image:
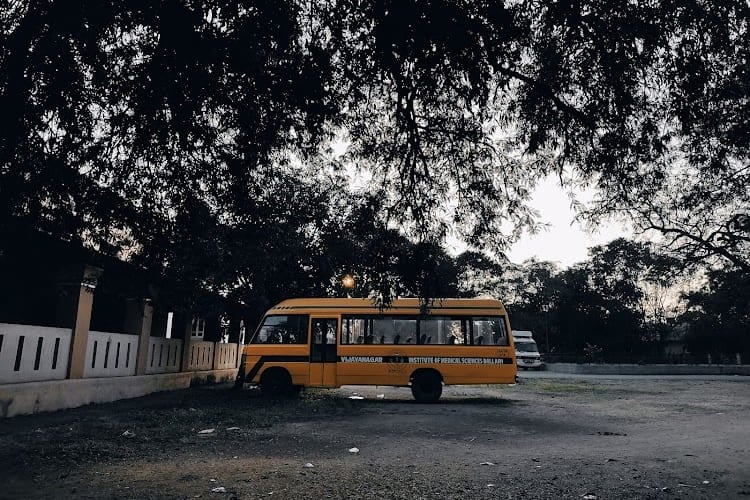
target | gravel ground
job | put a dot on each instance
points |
(543, 438)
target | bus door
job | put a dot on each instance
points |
(323, 356)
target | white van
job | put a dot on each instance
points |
(527, 354)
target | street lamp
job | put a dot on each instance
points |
(348, 281)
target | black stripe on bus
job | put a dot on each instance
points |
(322, 361)
(274, 359)
(419, 360)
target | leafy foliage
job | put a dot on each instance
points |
(719, 316)
(618, 300)
(193, 136)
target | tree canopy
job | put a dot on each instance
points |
(182, 130)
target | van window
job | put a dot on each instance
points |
(525, 346)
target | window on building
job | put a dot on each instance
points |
(198, 327)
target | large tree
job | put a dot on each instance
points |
(118, 116)
(618, 299)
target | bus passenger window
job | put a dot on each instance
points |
(354, 330)
(442, 330)
(390, 329)
(492, 327)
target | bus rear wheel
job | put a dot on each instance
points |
(276, 383)
(426, 387)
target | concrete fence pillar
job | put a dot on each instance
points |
(140, 313)
(217, 354)
(235, 324)
(76, 303)
(181, 329)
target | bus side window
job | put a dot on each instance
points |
(442, 330)
(499, 333)
(489, 327)
(353, 330)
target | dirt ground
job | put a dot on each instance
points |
(543, 438)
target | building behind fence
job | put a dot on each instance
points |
(69, 313)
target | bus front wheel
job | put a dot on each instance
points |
(426, 387)
(276, 383)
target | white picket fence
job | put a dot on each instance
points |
(34, 353)
(163, 355)
(110, 354)
(31, 353)
(201, 356)
(226, 356)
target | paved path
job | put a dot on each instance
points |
(583, 376)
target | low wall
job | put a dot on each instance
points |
(163, 355)
(29, 353)
(634, 369)
(34, 354)
(201, 355)
(110, 354)
(34, 397)
(225, 356)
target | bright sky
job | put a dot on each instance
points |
(565, 242)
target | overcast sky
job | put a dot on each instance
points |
(564, 242)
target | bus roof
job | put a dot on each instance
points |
(404, 306)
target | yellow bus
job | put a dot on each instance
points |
(334, 342)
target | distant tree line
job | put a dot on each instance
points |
(630, 302)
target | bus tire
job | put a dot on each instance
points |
(426, 386)
(276, 383)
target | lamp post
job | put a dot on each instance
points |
(348, 283)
